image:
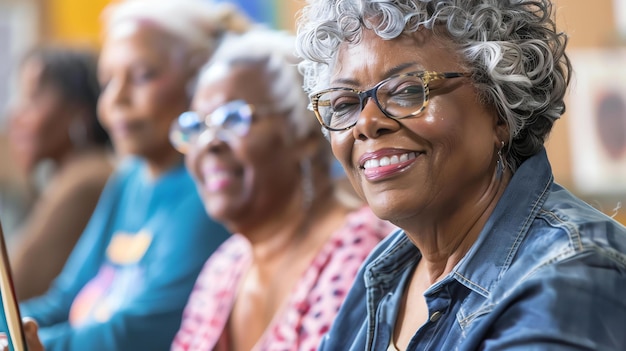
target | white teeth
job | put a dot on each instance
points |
(386, 161)
(216, 176)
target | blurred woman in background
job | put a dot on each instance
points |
(262, 167)
(126, 283)
(54, 119)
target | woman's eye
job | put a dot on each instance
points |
(344, 104)
(143, 75)
(408, 88)
(405, 95)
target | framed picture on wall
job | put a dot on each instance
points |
(597, 112)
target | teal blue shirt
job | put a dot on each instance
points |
(126, 283)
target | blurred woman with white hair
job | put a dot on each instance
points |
(262, 168)
(126, 282)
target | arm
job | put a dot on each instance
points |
(52, 307)
(576, 304)
(55, 225)
(82, 264)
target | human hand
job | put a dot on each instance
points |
(30, 333)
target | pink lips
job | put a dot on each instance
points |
(386, 163)
(216, 178)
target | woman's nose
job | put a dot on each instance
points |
(372, 121)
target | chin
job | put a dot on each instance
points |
(383, 212)
(218, 213)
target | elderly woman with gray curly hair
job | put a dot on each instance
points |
(438, 111)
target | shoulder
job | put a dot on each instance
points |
(85, 173)
(569, 243)
(567, 227)
(230, 257)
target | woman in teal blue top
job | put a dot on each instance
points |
(126, 283)
(129, 276)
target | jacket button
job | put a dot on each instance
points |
(435, 316)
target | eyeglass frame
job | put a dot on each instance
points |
(425, 76)
(205, 120)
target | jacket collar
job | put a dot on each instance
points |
(507, 226)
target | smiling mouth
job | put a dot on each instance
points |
(388, 160)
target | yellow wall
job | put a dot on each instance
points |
(75, 21)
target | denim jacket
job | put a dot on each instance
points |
(548, 272)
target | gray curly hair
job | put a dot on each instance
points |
(515, 54)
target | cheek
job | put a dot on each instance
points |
(103, 109)
(342, 147)
(166, 93)
(270, 162)
(163, 104)
(50, 121)
(191, 161)
(449, 124)
(461, 137)
(161, 94)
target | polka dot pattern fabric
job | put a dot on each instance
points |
(311, 307)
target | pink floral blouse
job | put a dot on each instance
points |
(310, 308)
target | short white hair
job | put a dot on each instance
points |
(198, 24)
(276, 51)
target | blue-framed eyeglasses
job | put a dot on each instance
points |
(399, 96)
(232, 119)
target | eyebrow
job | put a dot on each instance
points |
(390, 72)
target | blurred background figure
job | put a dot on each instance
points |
(126, 282)
(54, 122)
(262, 167)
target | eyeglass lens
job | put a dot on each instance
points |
(397, 97)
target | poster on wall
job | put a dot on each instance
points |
(597, 113)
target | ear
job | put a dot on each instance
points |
(501, 130)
